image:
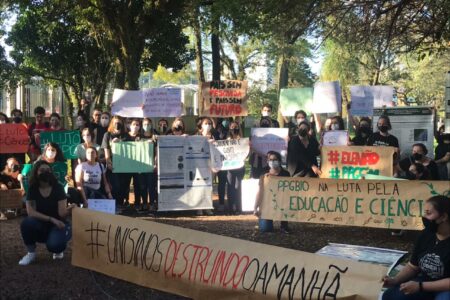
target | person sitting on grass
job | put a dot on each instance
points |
(10, 178)
(274, 169)
(47, 211)
(427, 275)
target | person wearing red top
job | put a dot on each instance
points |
(34, 130)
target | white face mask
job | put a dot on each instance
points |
(50, 154)
(147, 127)
(2, 122)
(79, 123)
(87, 139)
(104, 122)
(334, 126)
(134, 129)
(265, 114)
(273, 164)
(299, 121)
(206, 127)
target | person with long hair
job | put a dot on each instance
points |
(10, 178)
(55, 123)
(427, 275)
(47, 211)
(52, 153)
(116, 133)
(178, 127)
(148, 180)
(205, 127)
(80, 151)
(90, 177)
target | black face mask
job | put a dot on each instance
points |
(163, 128)
(235, 131)
(417, 156)
(365, 130)
(118, 126)
(44, 176)
(430, 225)
(15, 168)
(302, 132)
(410, 175)
(179, 128)
(383, 128)
(17, 120)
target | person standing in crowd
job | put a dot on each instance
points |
(266, 111)
(47, 211)
(10, 178)
(134, 135)
(148, 180)
(302, 153)
(34, 130)
(3, 118)
(382, 136)
(177, 128)
(90, 177)
(234, 177)
(81, 122)
(102, 128)
(442, 156)
(363, 132)
(427, 275)
(116, 133)
(258, 161)
(419, 155)
(80, 151)
(55, 123)
(274, 169)
(221, 133)
(299, 116)
(96, 117)
(17, 118)
(163, 127)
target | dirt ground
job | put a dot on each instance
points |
(48, 279)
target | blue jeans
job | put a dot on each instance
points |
(394, 293)
(36, 231)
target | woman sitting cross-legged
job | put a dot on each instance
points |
(47, 211)
(90, 177)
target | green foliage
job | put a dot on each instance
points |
(256, 99)
(184, 76)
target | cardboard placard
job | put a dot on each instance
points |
(14, 138)
(327, 97)
(207, 266)
(294, 99)
(132, 157)
(354, 162)
(270, 139)
(229, 154)
(103, 205)
(368, 203)
(224, 98)
(10, 199)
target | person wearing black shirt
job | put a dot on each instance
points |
(363, 132)
(442, 157)
(274, 169)
(427, 275)
(302, 153)
(266, 111)
(382, 136)
(47, 211)
(418, 155)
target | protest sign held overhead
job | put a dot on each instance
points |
(132, 157)
(270, 139)
(224, 98)
(67, 140)
(294, 99)
(366, 98)
(327, 97)
(229, 154)
(184, 173)
(14, 138)
(162, 102)
(127, 103)
(368, 203)
(354, 162)
(201, 265)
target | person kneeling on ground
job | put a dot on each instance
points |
(427, 275)
(274, 169)
(47, 210)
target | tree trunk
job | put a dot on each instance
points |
(198, 58)
(119, 81)
(282, 81)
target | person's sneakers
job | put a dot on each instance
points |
(27, 259)
(397, 233)
(58, 255)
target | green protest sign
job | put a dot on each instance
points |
(295, 99)
(132, 157)
(67, 141)
(59, 169)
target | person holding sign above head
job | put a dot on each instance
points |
(116, 133)
(148, 181)
(80, 151)
(47, 211)
(90, 177)
(274, 169)
(234, 177)
(302, 153)
(427, 275)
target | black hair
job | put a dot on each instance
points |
(340, 122)
(5, 116)
(59, 154)
(420, 168)
(300, 112)
(441, 203)
(16, 110)
(388, 121)
(277, 154)
(304, 123)
(84, 117)
(39, 110)
(365, 119)
(268, 105)
(54, 114)
(424, 148)
(34, 181)
(265, 122)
